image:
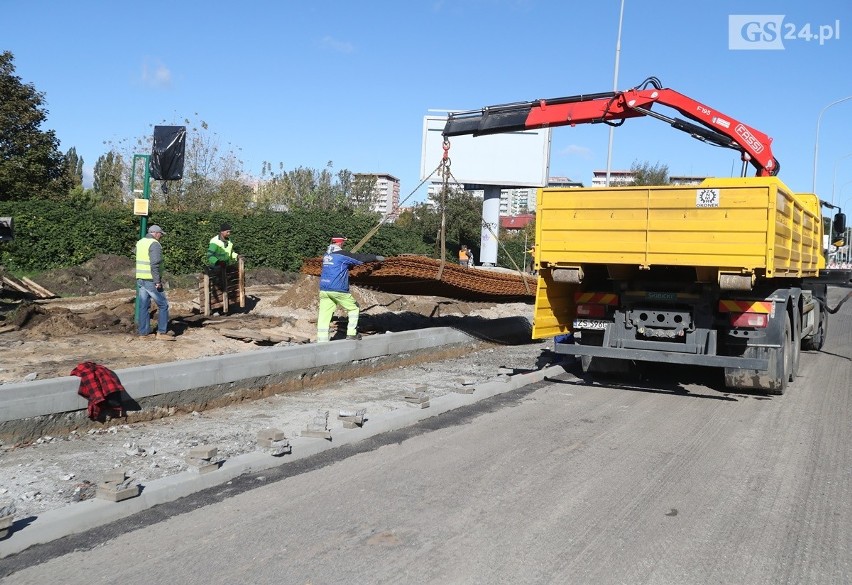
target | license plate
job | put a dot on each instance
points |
(589, 324)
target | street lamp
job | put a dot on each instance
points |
(816, 142)
(834, 180)
(615, 88)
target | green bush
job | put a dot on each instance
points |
(52, 235)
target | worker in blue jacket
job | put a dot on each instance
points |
(334, 287)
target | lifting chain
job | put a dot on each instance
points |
(444, 171)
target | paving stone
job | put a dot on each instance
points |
(106, 491)
(207, 467)
(271, 435)
(203, 452)
(115, 476)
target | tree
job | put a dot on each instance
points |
(108, 183)
(463, 213)
(74, 168)
(648, 174)
(31, 165)
(209, 177)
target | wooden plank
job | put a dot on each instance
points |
(38, 289)
(241, 282)
(15, 285)
(206, 304)
(224, 285)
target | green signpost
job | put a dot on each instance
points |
(145, 192)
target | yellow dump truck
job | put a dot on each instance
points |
(728, 273)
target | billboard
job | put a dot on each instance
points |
(512, 159)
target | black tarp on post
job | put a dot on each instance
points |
(168, 153)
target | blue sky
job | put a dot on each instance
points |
(305, 83)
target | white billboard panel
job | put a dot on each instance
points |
(511, 159)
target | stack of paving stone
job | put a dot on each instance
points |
(274, 441)
(203, 459)
(116, 487)
(418, 397)
(420, 275)
(352, 418)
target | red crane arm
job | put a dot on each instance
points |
(615, 107)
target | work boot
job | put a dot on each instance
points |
(167, 336)
(355, 337)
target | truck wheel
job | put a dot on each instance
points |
(795, 343)
(783, 367)
(816, 342)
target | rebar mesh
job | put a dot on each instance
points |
(420, 275)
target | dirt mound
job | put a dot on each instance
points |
(103, 273)
(303, 293)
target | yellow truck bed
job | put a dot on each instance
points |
(743, 228)
(744, 225)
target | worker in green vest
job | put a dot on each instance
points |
(220, 250)
(149, 283)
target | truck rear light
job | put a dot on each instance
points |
(590, 310)
(757, 320)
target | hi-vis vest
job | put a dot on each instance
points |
(143, 259)
(222, 251)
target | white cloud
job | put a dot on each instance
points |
(155, 74)
(336, 45)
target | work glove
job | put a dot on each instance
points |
(380, 258)
(159, 287)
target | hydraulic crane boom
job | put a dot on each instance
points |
(614, 108)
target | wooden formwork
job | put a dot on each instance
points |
(223, 288)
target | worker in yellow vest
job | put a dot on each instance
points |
(220, 250)
(149, 283)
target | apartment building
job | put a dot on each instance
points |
(386, 190)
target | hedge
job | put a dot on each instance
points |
(52, 235)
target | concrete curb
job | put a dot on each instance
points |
(82, 516)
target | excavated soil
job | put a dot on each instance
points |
(92, 320)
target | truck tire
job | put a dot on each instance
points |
(795, 343)
(782, 372)
(601, 365)
(816, 342)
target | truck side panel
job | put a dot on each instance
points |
(752, 225)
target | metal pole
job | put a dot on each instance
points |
(614, 88)
(145, 191)
(816, 141)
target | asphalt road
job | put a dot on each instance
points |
(667, 480)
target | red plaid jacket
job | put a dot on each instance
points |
(99, 385)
